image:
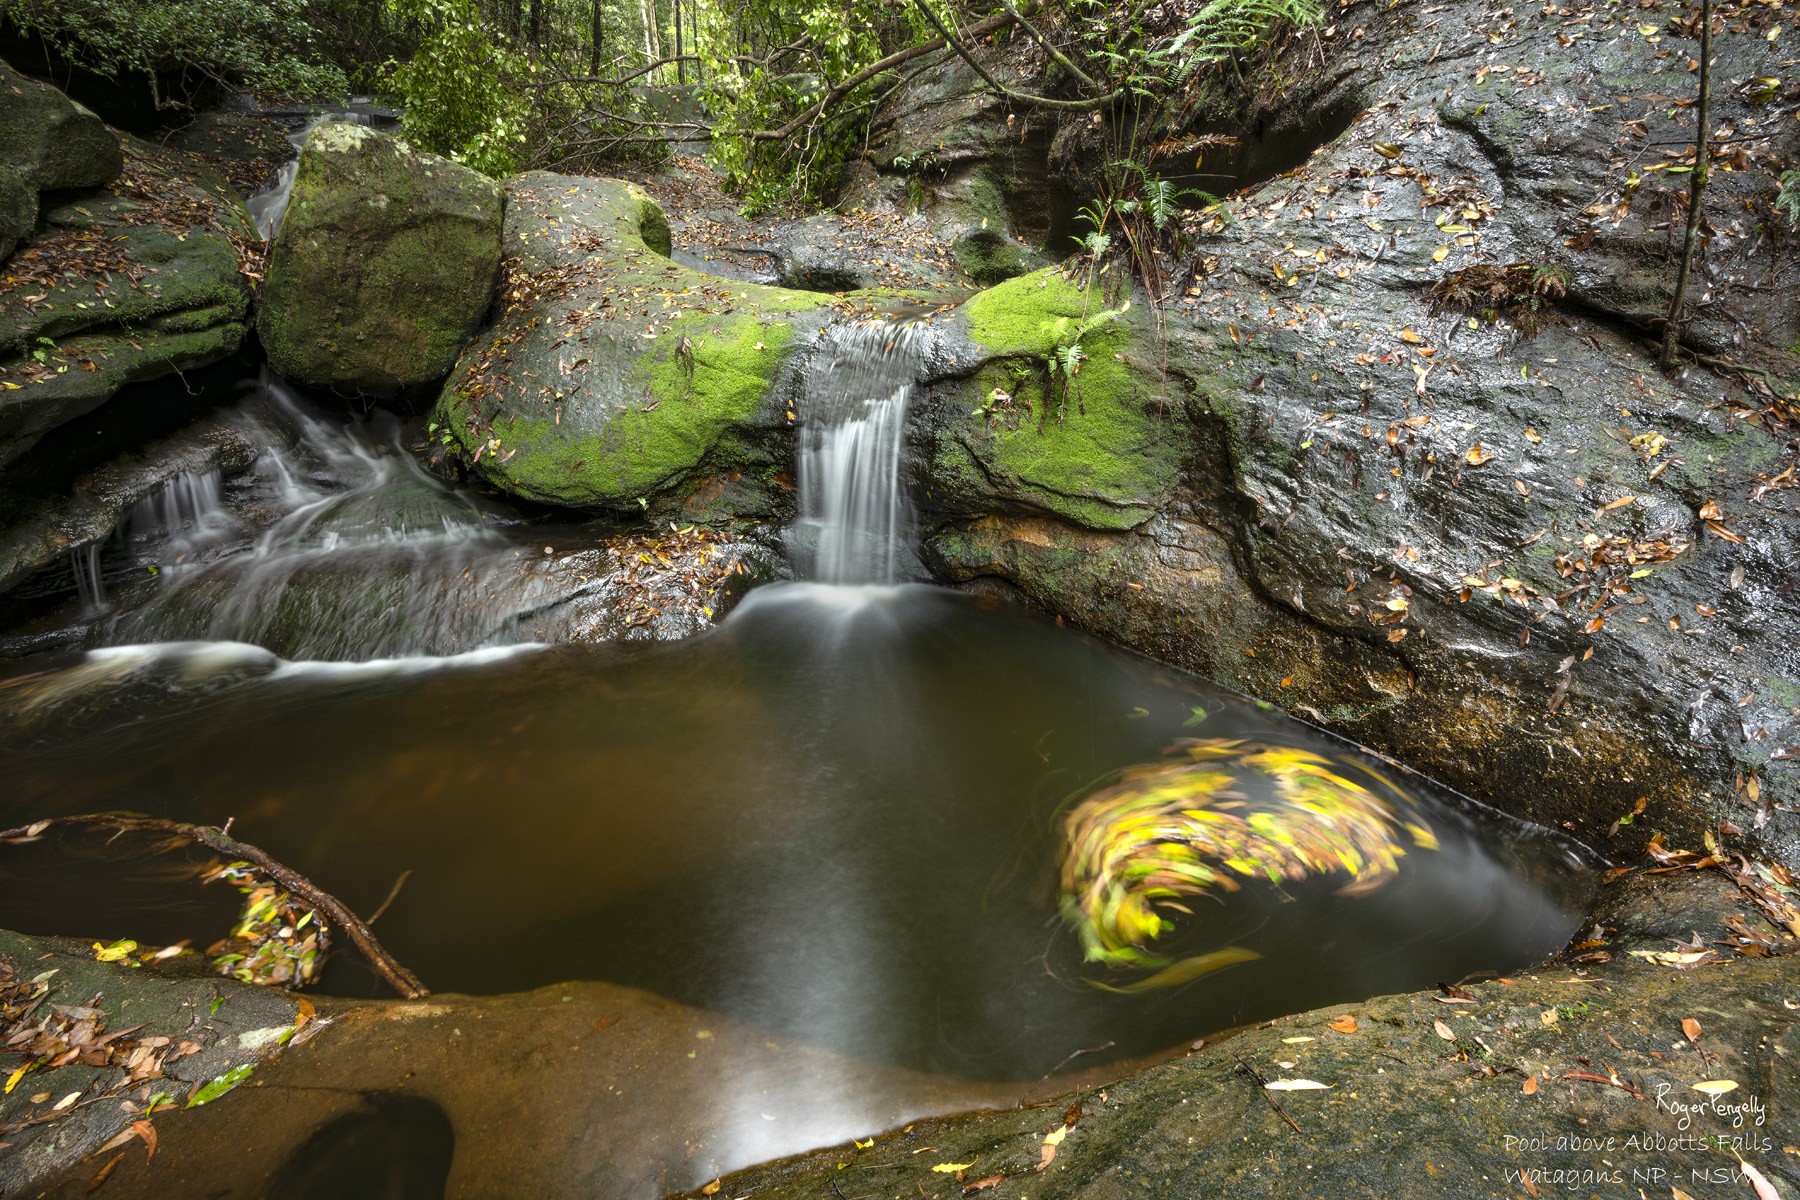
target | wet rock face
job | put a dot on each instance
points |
(48, 143)
(1474, 528)
(127, 284)
(385, 264)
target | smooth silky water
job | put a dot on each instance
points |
(833, 817)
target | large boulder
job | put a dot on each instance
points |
(1391, 479)
(616, 375)
(385, 263)
(48, 143)
(128, 284)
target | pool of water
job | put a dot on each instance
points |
(835, 816)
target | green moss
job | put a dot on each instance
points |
(1096, 455)
(640, 450)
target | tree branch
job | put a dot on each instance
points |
(869, 72)
(1062, 60)
(622, 80)
(1000, 89)
(329, 906)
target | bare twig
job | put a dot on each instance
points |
(1696, 189)
(393, 894)
(1062, 60)
(329, 906)
(1262, 1085)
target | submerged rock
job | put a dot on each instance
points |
(135, 282)
(385, 264)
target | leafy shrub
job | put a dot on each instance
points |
(266, 45)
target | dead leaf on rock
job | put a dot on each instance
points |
(1343, 1024)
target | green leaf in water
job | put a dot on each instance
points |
(221, 1084)
(1199, 715)
(1185, 971)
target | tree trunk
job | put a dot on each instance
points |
(680, 66)
(1696, 189)
(598, 30)
(537, 22)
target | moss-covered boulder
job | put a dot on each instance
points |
(1058, 410)
(48, 143)
(18, 208)
(120, 286)
(54, 142)
(616, 376)
(385, 264)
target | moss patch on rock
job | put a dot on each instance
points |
(615, 376)
(1088, 447)
(384, 265)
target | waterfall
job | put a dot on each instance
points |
(853, 513)
(269, 205)
(88, 582)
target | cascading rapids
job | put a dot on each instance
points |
(854, 519)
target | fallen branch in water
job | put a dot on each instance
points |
(327, 905)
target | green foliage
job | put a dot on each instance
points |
(745, 96)
(464, 89)
(268, 45)
(1221, 810)
(1225, 30)
(1787, 198)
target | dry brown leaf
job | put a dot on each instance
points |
(1343, 1024)
(1691, 1028)
(1443, 1031)
(1531, 1085)
(983, 1184)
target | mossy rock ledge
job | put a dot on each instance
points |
(384, 265)
(614, 377)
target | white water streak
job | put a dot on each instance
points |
(852, 506)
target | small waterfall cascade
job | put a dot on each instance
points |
(268, 206)
(89, 585)
(854, 519)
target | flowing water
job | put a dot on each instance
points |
(269, 205)
(836, 816)
(833, 817)
(853, 512)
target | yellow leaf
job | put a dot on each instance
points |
(12, 1081)
(1411, 336)
(1715, 1087)
(1649, 30)
(1440, 254)
(862, 1145)
(951, 1168)
(1387, 150)
(117, 952)
(1055, 1137)
(711, 1189)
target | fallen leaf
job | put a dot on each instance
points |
(1477, 454)
(1715, 1087)
(951, 1168)
(1764, 1189)
(1443, 1031)
(1411, 336)
(1691, 1028)
(1530, 1087)
(1295, 1041)
(1296, 1085)
(982, 1184)
(711, 1189)
(1343, 1024)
